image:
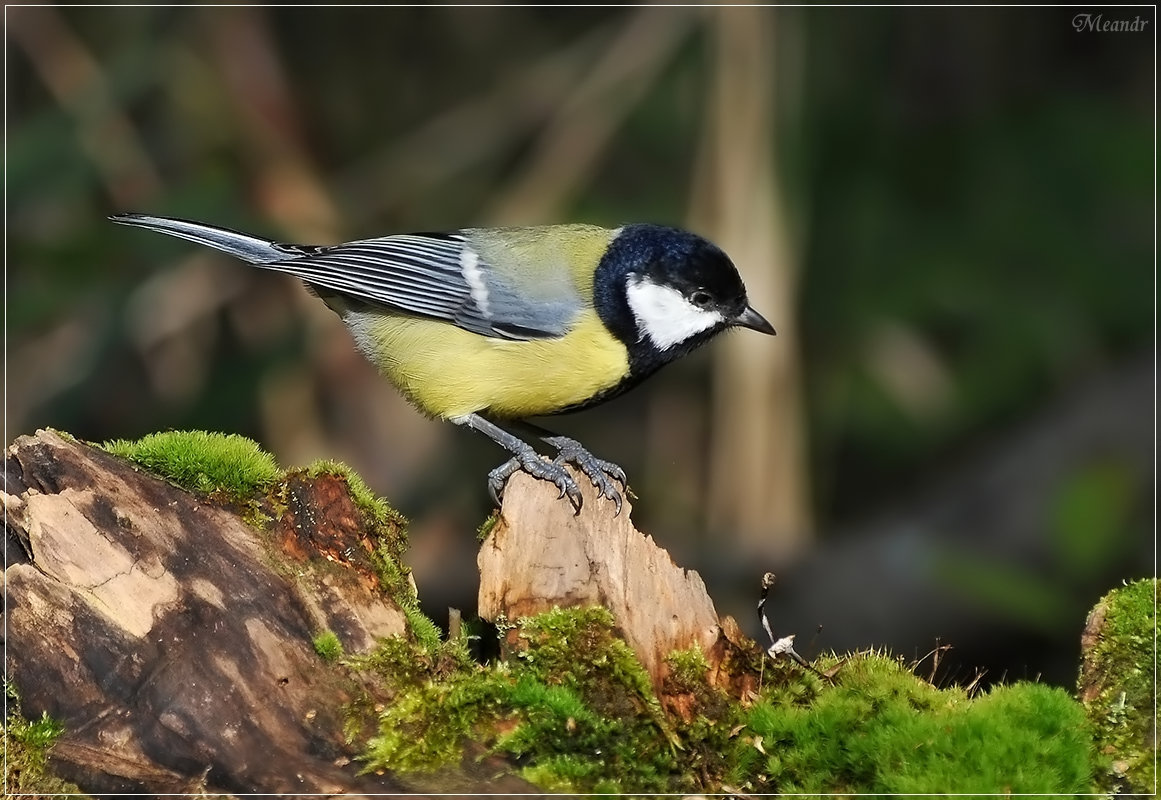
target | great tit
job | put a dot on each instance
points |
(486, 324)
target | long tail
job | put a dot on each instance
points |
(241, 245)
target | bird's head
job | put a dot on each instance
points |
(664, 291)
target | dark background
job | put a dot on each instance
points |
(948, 214)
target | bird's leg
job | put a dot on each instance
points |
(524, 458)
(602, 473)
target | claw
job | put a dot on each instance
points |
(598, 470)
(537, 467)
(603, 474)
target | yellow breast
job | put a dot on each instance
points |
(447, 371)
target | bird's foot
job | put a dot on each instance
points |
(530, 461)
(602, 473)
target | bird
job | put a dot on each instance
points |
(486, 327)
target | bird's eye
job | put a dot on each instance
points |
(701, 299)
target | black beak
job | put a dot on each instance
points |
(752, 319)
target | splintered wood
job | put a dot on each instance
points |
(540, 555)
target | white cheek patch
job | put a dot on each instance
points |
(664, 315)
(474, 278)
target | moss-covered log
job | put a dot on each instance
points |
(172, 636)
(235, 628)
(1117, 686)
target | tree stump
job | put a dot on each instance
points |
(539, 555)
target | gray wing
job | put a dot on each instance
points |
(437, 275)
(433, 275)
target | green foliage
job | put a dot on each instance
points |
(426, 632)
(1015, 592)
(572, 705)
(26, 747)
(687, 668)
(394, 579)
(1123, 666)
(423, 727)
(576, 710)
(486, 526)
(882, 730)
(203, 462)
(328, 646)
(1007, 316)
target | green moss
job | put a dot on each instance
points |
(68, 437)
(687, 669)
(426, 632)
(203, 462)
(572, 705)
(575, 711)
(705, 715)
(486, 526)
(395, 580)
(1120, 668)
(27, 744)
(438, 695)
(578, 648)
(328, 646)
(377, 510)
(424, 727)
(883, 730)
(387, 528)
(257, 516)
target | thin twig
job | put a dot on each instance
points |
(785, 645)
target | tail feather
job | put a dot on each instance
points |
(241, 245)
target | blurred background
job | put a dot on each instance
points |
(948, 215)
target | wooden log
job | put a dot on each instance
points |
(174, 640)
